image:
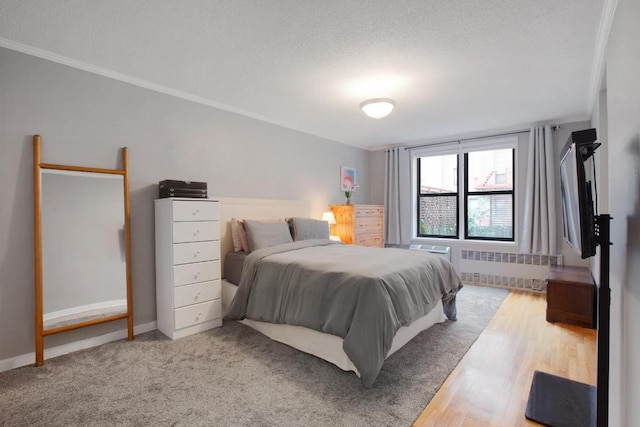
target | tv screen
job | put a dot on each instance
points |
(577, 202)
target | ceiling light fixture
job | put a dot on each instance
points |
(378, 108)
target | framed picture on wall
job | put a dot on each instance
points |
(347, 178)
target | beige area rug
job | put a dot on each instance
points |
(234, 376)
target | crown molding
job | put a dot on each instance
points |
(105, 72)
(598, 64)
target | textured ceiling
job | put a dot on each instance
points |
(453, 66)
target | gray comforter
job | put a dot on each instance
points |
(361, 294)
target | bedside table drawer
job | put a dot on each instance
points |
(198, 231)
(184, 253)
(197, 313)
(196, 272)
(196, 293)
(195, 211)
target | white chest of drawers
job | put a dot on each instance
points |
(187, 266)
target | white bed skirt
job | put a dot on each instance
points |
(327, 346)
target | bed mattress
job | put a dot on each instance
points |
(326, 346)
(233, 263)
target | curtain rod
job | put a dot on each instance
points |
(515, 132)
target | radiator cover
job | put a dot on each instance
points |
(443, 251)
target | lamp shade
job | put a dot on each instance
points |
(329, 217)
(378, 108)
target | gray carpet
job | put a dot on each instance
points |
(234, 376)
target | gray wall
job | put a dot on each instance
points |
(84, 119)
(622, 60)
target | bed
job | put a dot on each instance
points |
(352, 320)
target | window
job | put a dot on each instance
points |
(489, 194)
(438, 196)
(484, 204)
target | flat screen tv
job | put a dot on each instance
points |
(578, 214)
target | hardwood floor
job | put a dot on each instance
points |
(490, 386)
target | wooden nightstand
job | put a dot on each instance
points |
(571, 296)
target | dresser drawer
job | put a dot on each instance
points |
(367, 211)
(186, 210)
(196, 293)
(184, 253)
(197, 313)
(368, 225)
(197, 231)
(196, 272)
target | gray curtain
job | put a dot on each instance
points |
(539, 226)
(397, 193)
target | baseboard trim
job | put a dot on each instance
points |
(29, 358)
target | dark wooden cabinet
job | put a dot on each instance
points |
(571, 296)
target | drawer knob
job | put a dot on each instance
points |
(197, 296)
(195, 276)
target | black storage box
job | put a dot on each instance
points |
(174, 188)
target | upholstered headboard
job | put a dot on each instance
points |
(253, 209)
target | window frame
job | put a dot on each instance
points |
(420, 196)
(461, 148)
(511, 192)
